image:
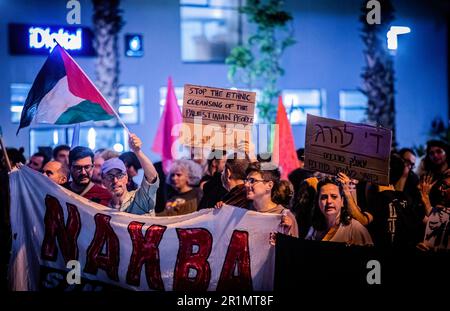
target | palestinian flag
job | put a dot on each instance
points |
(63, 94)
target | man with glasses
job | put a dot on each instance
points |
(115, 179)
(81, 164)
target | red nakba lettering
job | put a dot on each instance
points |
(95, 259)
(145, 251)
(192, 270)
(67, 235)
(236, 273)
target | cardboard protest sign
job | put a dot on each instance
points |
(437, 232)
(215, 117)
(358, 150)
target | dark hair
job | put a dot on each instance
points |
(396, 167)
(318, 219)
(402, 152)
(214, 155)
(80, 152)
(15, 155)
(428, 165)
(44, 157)
(130, 159)
(281, 193)
(301, 154)
(58, 149)
(237, 163)
(264, 157)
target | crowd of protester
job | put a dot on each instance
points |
(311, 205)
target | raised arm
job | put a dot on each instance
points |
(363, 217)
(135, 144)
(425, 186)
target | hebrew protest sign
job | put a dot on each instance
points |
(358, 150)
(216, 118)
(213, 249)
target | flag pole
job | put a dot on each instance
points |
(89, 79)
(5, 154)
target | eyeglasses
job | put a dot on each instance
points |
(409, 163)
(253, 181)
(79, 168)
(110, 177)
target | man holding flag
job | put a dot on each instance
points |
(63, 94)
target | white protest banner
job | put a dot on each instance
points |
(214, 249)
(358, 150)
(216, 118)
(437, 232)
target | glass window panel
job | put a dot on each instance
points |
(208, 33)
(194, 2)
(179, 92)
(19, 92)
(94, 137)
(300, 102)
(352, 99)
(352, 106)
(129, 103)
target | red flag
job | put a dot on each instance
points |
(284, 153)
(165, 138)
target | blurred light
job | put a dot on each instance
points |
(55, 137)
(118, 147)
(92, 134)
(40, 38)
(133, 45)
(126, 109)
(17, 109)
(394, 31)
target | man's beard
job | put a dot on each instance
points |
(79, 182)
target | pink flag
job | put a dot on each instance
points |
(286, 156)
(165, 138)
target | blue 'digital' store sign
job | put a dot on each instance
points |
(28, 39)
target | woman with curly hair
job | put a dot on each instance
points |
(184, 177)
(331, 220)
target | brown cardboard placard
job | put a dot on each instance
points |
(361, 151)
(216, 117)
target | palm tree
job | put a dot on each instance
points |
(107, 24)
(378, 74)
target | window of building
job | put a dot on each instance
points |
(209, 29)
(115, 138)
(19, 92)
(300, 102)
(179, 92)
(352, 106)
(130, 97)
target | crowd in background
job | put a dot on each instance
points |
(312, 205)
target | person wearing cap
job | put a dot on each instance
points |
(133, 166)
(115, 179)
